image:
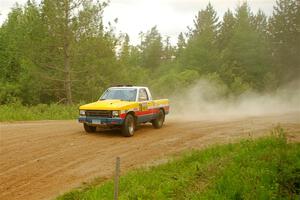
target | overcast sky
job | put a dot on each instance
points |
(171, 16)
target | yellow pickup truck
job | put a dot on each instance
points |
(124, 107)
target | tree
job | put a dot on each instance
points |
(226, 29)
(21, 35)
(245, 56)
(125, 51)
(181, 44)
(131, 71)
(168, 51)
(285, 37)
(60, 51)
(201, 52)
(151, 49)
(259, 22)
(69, 23)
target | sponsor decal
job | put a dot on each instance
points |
(144, 106)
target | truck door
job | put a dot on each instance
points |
(146, 106)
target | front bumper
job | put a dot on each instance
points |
(100, 120)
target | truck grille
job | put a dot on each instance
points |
(98, 113)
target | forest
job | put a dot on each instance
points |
(61, 52)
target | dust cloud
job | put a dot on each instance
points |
(206, 101)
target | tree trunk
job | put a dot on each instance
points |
(67, 74)
(66, 47)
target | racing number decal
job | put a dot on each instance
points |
(144, 106)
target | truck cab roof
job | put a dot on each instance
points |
(128, 86)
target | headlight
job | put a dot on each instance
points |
(82, 112)
(115, 113)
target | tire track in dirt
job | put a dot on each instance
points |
(40, 160)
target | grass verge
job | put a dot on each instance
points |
(18, 112)
(267, 168)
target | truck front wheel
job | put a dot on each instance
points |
(128, 126)
(89, 129)
(159, 121)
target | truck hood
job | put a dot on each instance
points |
(106, 105)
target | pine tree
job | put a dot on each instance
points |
(125, 50)
(260, 23)
(285, 37)
(246, 56)
(181, 44)
(201, 51)
(151, 49)
(168, 52)
(226, 30)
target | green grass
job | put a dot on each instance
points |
(18, 112)
(266, 168)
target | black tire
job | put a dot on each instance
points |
(159, 121)
(89, 129)
(128, 126)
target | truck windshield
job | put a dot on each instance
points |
(122, 94)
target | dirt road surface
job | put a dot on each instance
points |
(40, 160)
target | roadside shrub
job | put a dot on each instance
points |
(18, 112)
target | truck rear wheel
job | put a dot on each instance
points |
(89, 129)
(159, 121)
(128, 126)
